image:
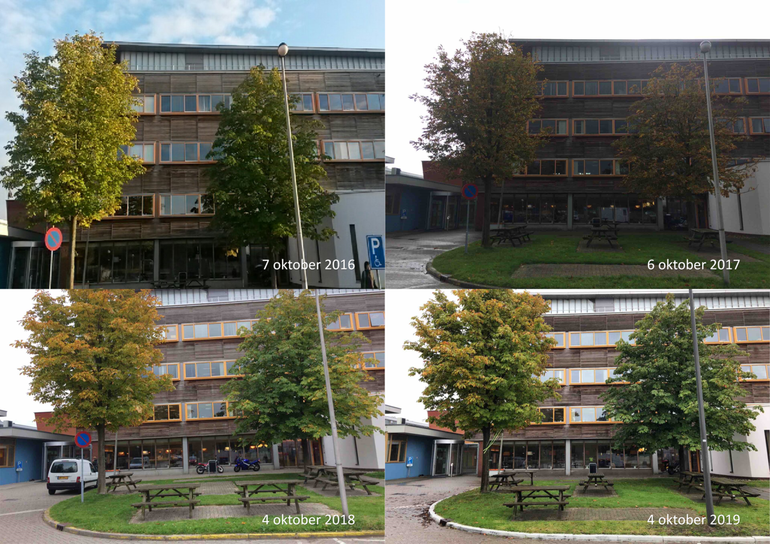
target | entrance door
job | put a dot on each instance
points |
(470, 458)
(441, 466)
(52, 453)
(436, 214)
(455, 456)
(451, 213)
(31, 266)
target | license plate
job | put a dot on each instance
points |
(62, 477)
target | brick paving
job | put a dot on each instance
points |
(233, 511)
(601, 514)
(602, 270)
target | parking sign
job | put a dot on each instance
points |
(376, 251)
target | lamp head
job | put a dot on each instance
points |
(283, 49)
(705, 46)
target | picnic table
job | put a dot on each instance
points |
(503, 479)
(184, 495)
(539, 495)
(605, 232)
(690, 479)
(250, 491)
(119, 479)
(512, 233)
(727, 487)
(700, 236)
(597, 479)
(327, 475)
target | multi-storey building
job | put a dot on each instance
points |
(194, 423)
(591, 85)
(162, 236)
(575, 431)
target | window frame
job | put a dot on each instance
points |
(615, 167)
(607, 332)
(403, 443)
(312, 101)
(370, 328)
(580, 369)
(355, 105)
(209, 377)
(729, 334)
(179, 376)
(10, 451)
(562, 381)
(323, 155)
(566, 169)
(143, 216)
(166, 328)
(208, 323)
(200, 205)
(552, 135)
(341, 329)
(563, 334)
(144, 105)
(613, 134)
(211, 402)
(374, 354)
(581, 408)
(729, 92)
(747, 341)
(564, 410)
(767, 373)
(764, 121)
(153, 420)
(197, 103)
(642, 84)
(757, 92)
(541, 88)
(183, 143)
(142, 143)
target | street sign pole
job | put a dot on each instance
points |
(467, 225)
(469, 192)
(50, 273)
(82, 475)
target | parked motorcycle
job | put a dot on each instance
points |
(203, 468)
(245, 464)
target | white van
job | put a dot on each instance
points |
(65, 474)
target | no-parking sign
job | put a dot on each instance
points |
(53, 239)
(470, 191)
(82, 440)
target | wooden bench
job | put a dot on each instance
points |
(714, 492)
(334, 483)
(287, 498)
(510, 483)
(560, 504)
(150, 505)
(366, 481)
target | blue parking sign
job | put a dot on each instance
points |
(376, 251)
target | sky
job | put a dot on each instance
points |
(32, 25)
(415, 30)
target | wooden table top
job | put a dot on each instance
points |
(705, 231)
(541, 488)
(688, 473)
(121, 475)
(596, 475)
(160, 487)
(728, 481)
(266, 482)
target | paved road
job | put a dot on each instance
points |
(21, 520)
(408, 254)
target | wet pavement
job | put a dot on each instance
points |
(407, 255)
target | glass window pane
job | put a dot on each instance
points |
(576, 412)
(379, 146)
(760, 371)
(220, 409)
(178, 203)
(215, 330)
(203, 370)
(600, 376)
(561, 88)
(230, 329)
(307, 102)
(614, 337)
(374, 102)
(204, 410)
(190, 152)
(574, 376)
(165, 104)
(755, 334)
(361, 102)
(620, 87)
(363, 320)
(341, 150)
(345, 321)
(218, 369)
(216, 100)
(204, 102)
(173, 412)
(605, 126)
(354, 149)
(230, 367)
(587, 339)
(177, 103)
(160, 413)
(587, 376)
(177, 152)
(600, 338)
(205, 149)
(561, 127)
(192, 411)
(377, 319)
(335, 102)
(190, 103)
(191, 204)
(592, 168)
(605, 87)
(148, 153)
(605, 167)
(367, 150)
(592, 126)
(574, 339)
(201, 330)
(588, 415)
(323, 102)
(579, 88)
(592, 88)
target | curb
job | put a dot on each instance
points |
(596, 538)
(446, 278)
(65, 527)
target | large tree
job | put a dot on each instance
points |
(91, 351)
(668, 151)
(76, 112)
(483, 355)
(282, 395)
(478, 103)
(251, 180)
(658, 407)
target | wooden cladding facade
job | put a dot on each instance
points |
(590, 395)
(203, 390)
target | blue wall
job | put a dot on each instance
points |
(30, 453)
(415, 202)
(420, 448)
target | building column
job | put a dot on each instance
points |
(244, 267)
(655, 462)
(155, 266)
(659, 207)
(276, 457)
(569, 211)
(185, 456)
(567, 453)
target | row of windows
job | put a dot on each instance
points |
(614, 127)
(635, 87)
(580, 167)
(549, 208)
(229, 329)
(193, 411)
(200, 152)
(598, 339)
(143, 205)
(577, 414)
(306, 102)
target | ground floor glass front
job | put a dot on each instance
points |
(552, 454)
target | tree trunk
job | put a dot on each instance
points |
(485, 460)
(305, 453)
(101, 461)
(273, 272)
(73, 236)
(487, 212)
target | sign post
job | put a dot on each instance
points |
(82, 441)
(376, 251)
(53, 240)
(470, 192)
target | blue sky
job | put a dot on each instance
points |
(27, 25)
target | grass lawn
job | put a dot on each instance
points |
(487, 510)
(494, 266)
(111, 513)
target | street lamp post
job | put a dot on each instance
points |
(283, 50)
(705, 47)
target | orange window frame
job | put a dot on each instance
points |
(763, 120)
(607, 368)
(563, 339)
(212, 403)
(607, 333)
(542, 94)
(566, 169)
(355, 104)
(226, 375)
(729, 92)
(729, 336)
(750, 365)
(197, 146)
(197, 103)
(154, 209)
(581, 408)
(553, 134)
(374, 356)
(154, 103)
(312, 101)
(554, 408)
(746, 332)
(401, 452)
(339, 321)
(615, 167)
(348, 142)
(362, 328)
(166, 329)
(564, 371)
(200, 204)
(221, 323)
(179, 376)
(614, 132)
(153, 420)
(757, 92)
(143, 143)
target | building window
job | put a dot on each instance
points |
(559, 337)
(370, 320)
(738, 127)
(722, 336)
(193, 103)
(115, 262)
(169, 333)
(758, 85)
(396, 450)
(748, 335)
(219, 329)
(209, 410)
(146, 105)
(374, 359)
(759, 125)
(583, 376)
(136, 206)
(599, 167)
(760, 371)
(392, 203)
(194, 204)
(546, 167)
(601, 127)
(364, 150)
(143, 151)
(185, 152)
(167, 369)
(588, 414)
(728, 85)
(553, 374)
(552, 415)
(343, 323)
(555, 127)
(618, 87)
(303, 103)
(201, 259)
(598, 339)
(209, 370)
(351, 102)
(166, 412)
(6, 456)
(553, 89)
